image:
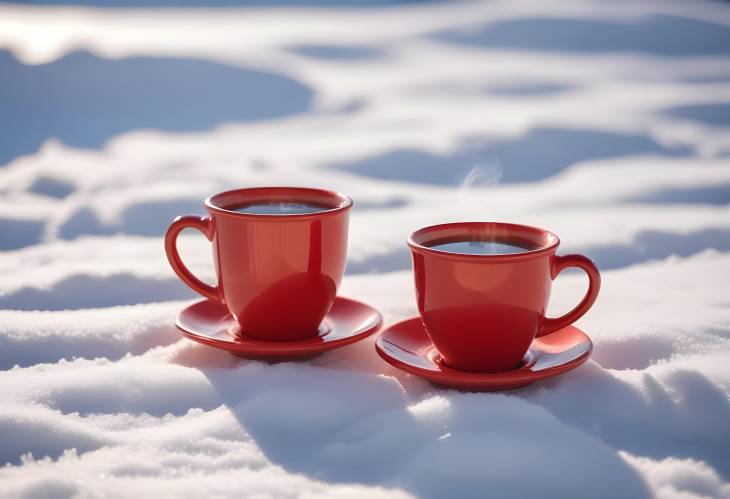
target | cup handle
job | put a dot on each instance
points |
(560, 263)
(204, 225)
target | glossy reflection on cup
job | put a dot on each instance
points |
(278, 270)
(482, 311)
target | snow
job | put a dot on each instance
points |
(605, 122)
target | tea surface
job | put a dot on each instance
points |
(479, 248)
(280, 208)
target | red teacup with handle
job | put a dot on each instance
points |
(279, 255)
(482, 311)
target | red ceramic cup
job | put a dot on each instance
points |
(483, 311)
(278, 274)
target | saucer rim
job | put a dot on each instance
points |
(282, 349)
(495, 381)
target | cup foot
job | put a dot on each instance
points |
(235, 332)
(527, 361)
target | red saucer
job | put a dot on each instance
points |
(407, 346)
(210, 323)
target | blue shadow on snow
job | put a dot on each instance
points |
(84, 100)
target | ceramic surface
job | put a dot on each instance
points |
(209, 322)
(267, 264)
(407, 346)
(484, 311)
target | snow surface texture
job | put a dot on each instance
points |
(606, 122)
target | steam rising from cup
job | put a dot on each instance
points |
(472, 199)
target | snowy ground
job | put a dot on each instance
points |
(606, 122)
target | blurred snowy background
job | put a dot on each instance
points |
(605, 122)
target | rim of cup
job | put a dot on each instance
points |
(546, 241)
(339, 202)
